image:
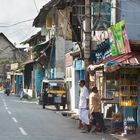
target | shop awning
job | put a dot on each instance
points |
(129, 58)
(114, 63)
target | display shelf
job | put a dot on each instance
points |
(128, 100)
(128, 95)
(130, 127)
(117, 123)
(117, 126)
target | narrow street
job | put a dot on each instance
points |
(25, 120)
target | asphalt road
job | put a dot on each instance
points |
(26, 120)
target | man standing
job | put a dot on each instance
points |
(21, 92)
(95, 111)
(45, 96)
(83, 106)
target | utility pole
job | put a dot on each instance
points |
(87, 37)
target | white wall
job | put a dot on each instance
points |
(113, 12)
(130, 12)
(29, 92)
(60, 57)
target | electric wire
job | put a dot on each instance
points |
(20, 22)
(28, 33)
(35, 5)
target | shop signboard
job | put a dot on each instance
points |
(79, 65)
(119, 42)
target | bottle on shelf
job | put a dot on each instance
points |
(125, 126)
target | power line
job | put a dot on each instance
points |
(28, 34)
(35, 5)
(20, 22)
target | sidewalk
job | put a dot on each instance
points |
(74, 116)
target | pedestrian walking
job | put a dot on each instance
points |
(83, 106)
(97, 122)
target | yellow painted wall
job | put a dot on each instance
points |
(64, 24)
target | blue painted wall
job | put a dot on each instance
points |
(79, 75)
(19, 79)
(39, 74)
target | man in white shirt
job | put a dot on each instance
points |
(83, 105)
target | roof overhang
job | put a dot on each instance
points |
(35, 36)
(44, 11)
(114, 63)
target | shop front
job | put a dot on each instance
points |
(119, 85)
(118, 79)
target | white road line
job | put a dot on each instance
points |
(22, 131)
(6, 108)
(14, 119)
(5, 105)
(9, 112)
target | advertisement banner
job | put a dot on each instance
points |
(119, 42)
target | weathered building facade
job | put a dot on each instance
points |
(8, 54)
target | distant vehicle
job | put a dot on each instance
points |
(7, 88)
(56, 92)
(7, 91)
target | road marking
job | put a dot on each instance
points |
(6, 108)
(9, 112)
(5, 105)
(14, 119)
(22, 101)
(22, 131)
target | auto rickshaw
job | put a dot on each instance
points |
(56, 92)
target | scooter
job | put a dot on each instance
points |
(7, 91)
